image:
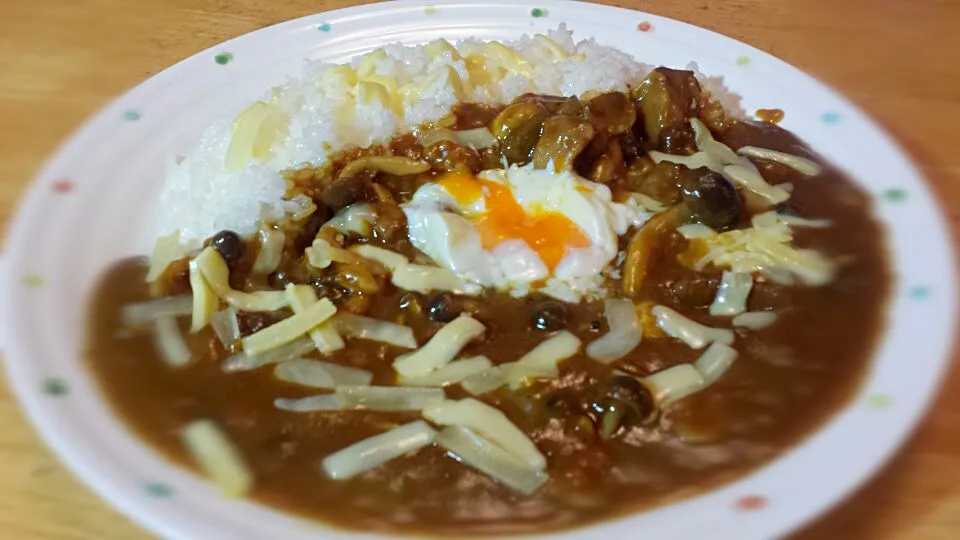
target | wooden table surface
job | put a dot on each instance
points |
(60, 60)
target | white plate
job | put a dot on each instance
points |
(89, 206)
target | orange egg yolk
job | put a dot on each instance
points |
(549, 234)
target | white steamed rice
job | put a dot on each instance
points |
(201, 196)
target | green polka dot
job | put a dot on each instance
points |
(895, 195)
(539, 12)
(55, 387)
(325, 27)
(32, 280)
(918, 292)
(158, 490)
(430, 10)
(743, 60)
(223, 58)
(131, 115)
(879, 401)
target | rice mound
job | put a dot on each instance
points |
(202, 196)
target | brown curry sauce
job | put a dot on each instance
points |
(788, 379)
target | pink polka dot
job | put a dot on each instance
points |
(645, 26)
(751, 503)
(62, 186)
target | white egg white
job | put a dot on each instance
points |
(441, 228)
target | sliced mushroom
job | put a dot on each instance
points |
(563, 138)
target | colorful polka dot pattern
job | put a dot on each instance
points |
(33, 280)
(743, 60)
(879, 401)
(55, 387)
(158, 490)
(918, 292)
(131, 115)
(62, 186)
(431, 10)
(325, 27)
(895, 195)
(223, 58)
(751, 503)
(830, 118)
(645, 26)
(539, 12)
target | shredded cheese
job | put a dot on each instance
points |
(288, 329)
(387, 332)
(674, 383)
(377, 450)
(755, 320)
(423, 279)
(169, 341)
(485, 456)
(388, 398)
(763, 248)
(624, 335)
(490, 423)
(389, 259)
(443, 347)
(800, 164)
(732, 294)
(714, 362)
(694, 334)
(319, 374)
(451, 373)
(218, 457)
(325, 336)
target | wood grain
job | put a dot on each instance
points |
(62, 59)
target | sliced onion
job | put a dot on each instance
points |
(288, 329)
(244, 362)
(694, 334)
(800, 164)
(271, 250)
(451, 373)
(377, 450)
(219, 458)
(755, 320)
(732, 294)
(389, 259)
(226, 326)
(169, 341)
(477, 452)
(542, 360)
(624, 335)
(356, 218)
(490, 423)
(319, 374)
(674, 383)
(388, 398)
(714, 362)
(322, 402)
(325, 336)
(422, 278)
(707, 143)
(441, 349)
(376, 330)
(146, 312)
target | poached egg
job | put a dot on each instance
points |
(521, 229)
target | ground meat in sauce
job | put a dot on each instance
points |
(787, 380)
